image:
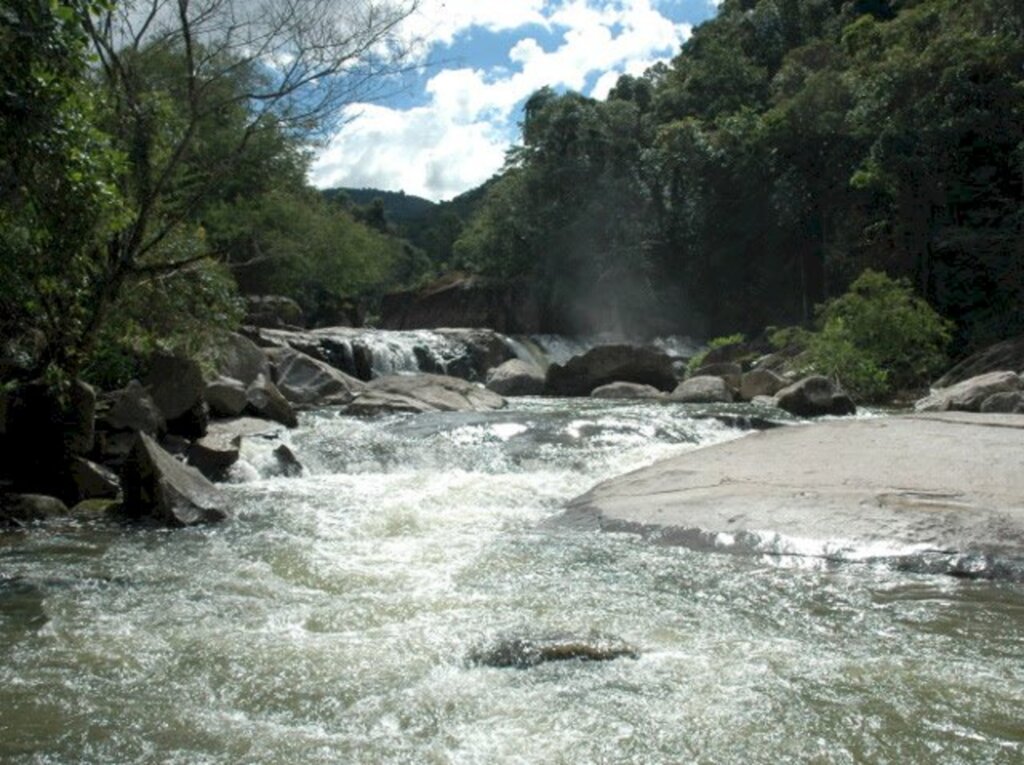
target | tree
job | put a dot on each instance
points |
(188, 88)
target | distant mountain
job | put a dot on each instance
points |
(399, 207)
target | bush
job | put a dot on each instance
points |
(879, 338)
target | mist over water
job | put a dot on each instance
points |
(333, 620)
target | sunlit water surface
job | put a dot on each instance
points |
(331, 621)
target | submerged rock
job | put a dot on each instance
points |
(158, 487)
(526, 652)
(424, 393)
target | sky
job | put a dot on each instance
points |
(448, 129)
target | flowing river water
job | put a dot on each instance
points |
(333, 620)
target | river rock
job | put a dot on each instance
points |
(266, 401)
(702, 390)
(175, 384)
(607, 364)
(1003, 356)
(306, 381)
(274, 311)
(729, 371)
(239, 358)
(814, 396)
(92, 481)
(516, 377)
(287, 463)
(20, 509)
(968, 396)
(626, 390)
(1011, 402)
(945, 484)
(484, 349)
(226, 397)
(526, 652)
(132, 409)
(158, 487)
(760, 382)
(423, 393)
(214, 453)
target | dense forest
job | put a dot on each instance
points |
(791, 145)
(153, 170)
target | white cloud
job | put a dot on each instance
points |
(458, 138)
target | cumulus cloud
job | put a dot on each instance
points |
(458, 138)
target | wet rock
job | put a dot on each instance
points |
(92, 481)
(1007, 355)
(266, 401)
(287, 463)
(94, 509)
(306, 381)
(968, 396)
(485, 349)
(1011, 402)
(702, 390)
(526, 652)
(626, 390)
(158, 487)
(814, 396)
(213, 454)
(607, 364)
(760, 382)
(22, 509)
(423, 393)
(226, 397)
(239, 358)
(132, 409)
(516, 377)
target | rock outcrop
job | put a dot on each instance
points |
(159, 488)
(608, 364)
(814, 396)
(423, 393)
(943, 492)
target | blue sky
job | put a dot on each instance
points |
(448, 131)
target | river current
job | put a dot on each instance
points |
(332, 620)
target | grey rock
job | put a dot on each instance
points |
(814, 396)
(968, 396)
(21, 509)
(702, 390)
(213, 454)
(607, 364)
(760, 382)
(516, 377)
(947, 483)
(92, 481)
(273, 311)
(423, 393)
(1005, 355)
(306, 381)
(132, 409)
(729, 371)
(239, 358)
(175, 384)
(226, 397)
(160, 488)
(1011, 402)
(266, 401)
(626, 390)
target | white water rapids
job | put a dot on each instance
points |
(331, 620)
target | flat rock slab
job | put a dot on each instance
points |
(947, 484)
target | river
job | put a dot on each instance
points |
(333, 619)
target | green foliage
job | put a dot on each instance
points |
(879, 338)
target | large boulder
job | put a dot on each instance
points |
(226, 397)
(702, 390)
(814, 396)
(969, 395)
(729, 371)
(176, 386)
(423, 393)
(306, 381)
(607, 364)
(239, 358)
(132, 409)
(1011, 402)
(760, 382)
(214, 453)
(483, 349)
(626, 390)
(1005, 356)
(158, 487)
(274, 311)
(20, 509)
(266, 401)
(516, 377)
(92, 481)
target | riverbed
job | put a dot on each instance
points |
(334, 619)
